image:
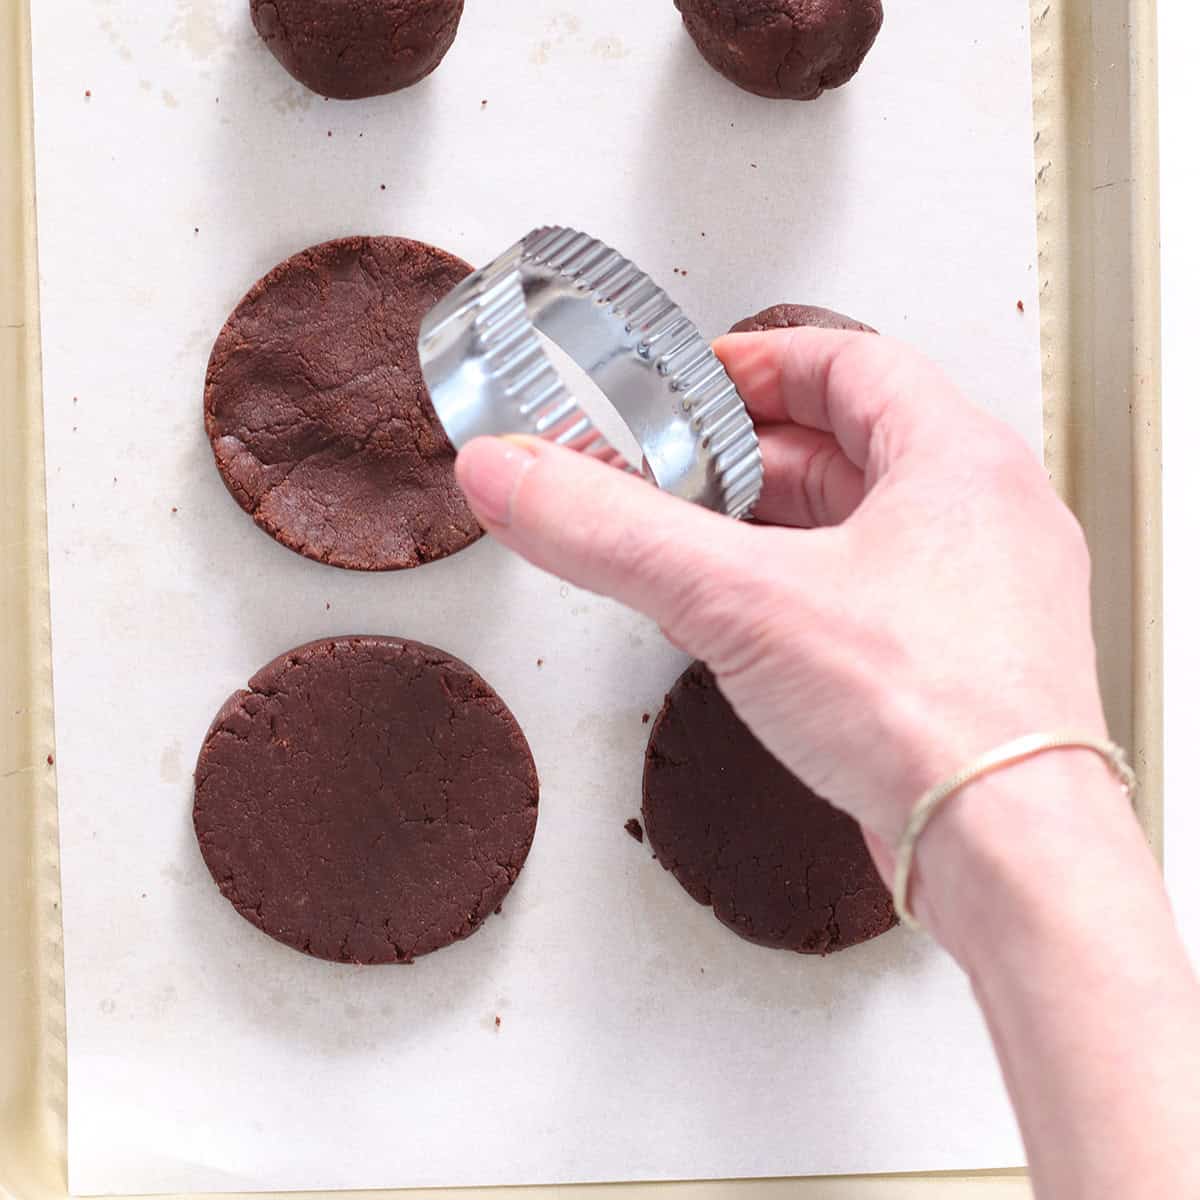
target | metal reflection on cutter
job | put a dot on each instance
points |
(488, 373)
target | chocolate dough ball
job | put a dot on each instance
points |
(794, 316)
(784, 49)
(348, 49)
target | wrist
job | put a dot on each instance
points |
(1033, 850)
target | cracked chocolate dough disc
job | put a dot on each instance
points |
(318, 414)
(348, 49)
(784, 49)
(365, 800)
(793, 316)
(778, 865)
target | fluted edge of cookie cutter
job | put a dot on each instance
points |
(488, 374)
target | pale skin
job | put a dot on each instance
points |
(915, 595)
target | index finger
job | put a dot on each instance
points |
(857, 386)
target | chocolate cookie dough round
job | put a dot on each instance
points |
(778, 865)
(784, 49)
(795, 316)
(365, 800)
(318, 414)
(348, 49)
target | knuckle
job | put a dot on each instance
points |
(726, 608)
(1002, 459)
(642, 554)
(700, 599)
(816, 483)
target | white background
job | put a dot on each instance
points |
(1179, 102)
(639, 1039)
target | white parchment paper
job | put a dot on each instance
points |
(639, 1039)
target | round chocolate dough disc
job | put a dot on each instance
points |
(794, 316)
(365, 800)
(778, 865)
(318, 414)
(348, 49)
(784, 49)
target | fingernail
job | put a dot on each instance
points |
(489, 471)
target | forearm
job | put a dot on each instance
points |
(1039, 881)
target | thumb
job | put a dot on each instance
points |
(610, 532)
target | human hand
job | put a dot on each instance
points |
(916, 593)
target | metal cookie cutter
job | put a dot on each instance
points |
(488, 373)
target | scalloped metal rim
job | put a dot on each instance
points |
(488, 373)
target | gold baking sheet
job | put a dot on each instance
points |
(1095, 117)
